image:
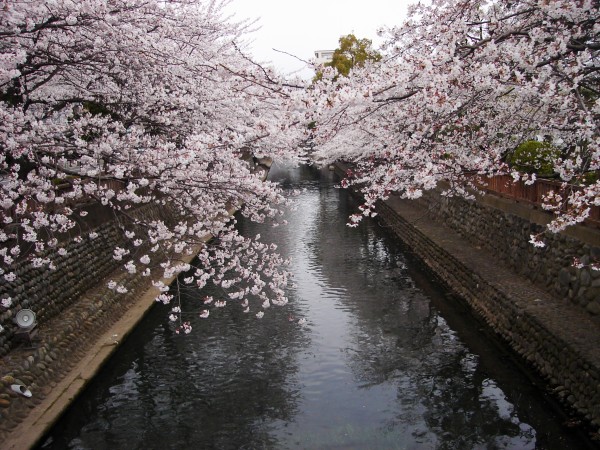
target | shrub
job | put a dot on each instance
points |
(534, 157)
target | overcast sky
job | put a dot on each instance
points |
(301, 27)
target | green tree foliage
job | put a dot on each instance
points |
(535, 157)
(351, 52)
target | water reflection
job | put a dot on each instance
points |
(382, 362)
(400, 339)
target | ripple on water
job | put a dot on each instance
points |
(377, 365)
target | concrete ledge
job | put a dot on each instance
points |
(33, 417)
(42, 417)
(70, 350)
(559, 340)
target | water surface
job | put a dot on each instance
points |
(383, 362)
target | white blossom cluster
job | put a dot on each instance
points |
(460, 85)
(134, 102)
(150, 102)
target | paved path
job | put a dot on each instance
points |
(561, 317)
(576, 332)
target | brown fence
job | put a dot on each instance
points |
(505, 186)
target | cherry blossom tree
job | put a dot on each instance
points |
(461, 84)
(138, 102)
(155, 102)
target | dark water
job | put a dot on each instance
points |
(382, 363)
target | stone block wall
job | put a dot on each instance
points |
(572, 370)
(504, 227)
(572, 375)
(86, 264)
(64, 340)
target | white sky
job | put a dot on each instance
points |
(301, 27)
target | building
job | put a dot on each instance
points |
(323, 56)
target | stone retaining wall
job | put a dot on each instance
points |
(86, 263)
(550, 338)
(505, 228)
(73, 304)
(74, 307)
(574, 378)
(62, 341)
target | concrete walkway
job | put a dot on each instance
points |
(73, 348)
(68, 352)
(560, 340)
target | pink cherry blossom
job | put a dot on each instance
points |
(459, 87)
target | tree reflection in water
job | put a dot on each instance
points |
(383, 361)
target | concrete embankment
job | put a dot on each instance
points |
(81, 323)
(558, 338)
(69, 351)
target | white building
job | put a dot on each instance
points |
(323, 56)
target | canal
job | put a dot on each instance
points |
(382, 362)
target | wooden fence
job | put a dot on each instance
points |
(505, 186)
